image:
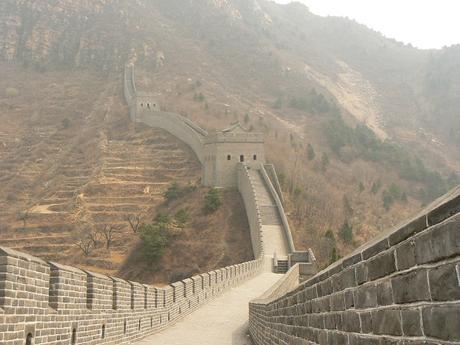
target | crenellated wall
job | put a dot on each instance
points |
(403, 289)
(53, 302)
(249, 197)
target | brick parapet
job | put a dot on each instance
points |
(402, 288)
(50, 301)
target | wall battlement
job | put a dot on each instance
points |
(54, 303)
(402, 288)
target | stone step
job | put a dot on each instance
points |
(270, 215)
(263, 196)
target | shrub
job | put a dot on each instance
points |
(387, 200)
(334, 255)
(346, 233)
(324, 161)
(212, 201)
(181, 218)
(310, 152)
(175, 191)
(153, 242)
(376, 187)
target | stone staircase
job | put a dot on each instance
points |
(272, 229)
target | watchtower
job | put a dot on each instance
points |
(225, 149)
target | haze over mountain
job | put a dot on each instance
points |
(363, 129)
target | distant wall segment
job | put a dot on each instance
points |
(403, 289)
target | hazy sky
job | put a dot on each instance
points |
(423, 23)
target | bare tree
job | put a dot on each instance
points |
(23, 215)
(86, 244)
(134, 221)
(108, 232)
(94, 236)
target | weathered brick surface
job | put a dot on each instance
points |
(403, 289)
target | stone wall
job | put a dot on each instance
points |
(57, 304)
(279, 205)
(249, 197)
(175, 125)
(402, 289)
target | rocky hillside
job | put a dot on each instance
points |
(363, 129)
(74, 169)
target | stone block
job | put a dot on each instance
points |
(349, 299)
(439, 242)
(350, 321)
(325, 287)
(405, 255)
(409, 229)
(375, 249)
(343, 280)
(411, 322)
(411, 287)
(381, 265)
(442, 322)
(366, 322)
(387, 322)
(444, 211)
(444, 283)
(361, 272)
(351, 260)
(366, 296)
(338, 302)
(384, 293)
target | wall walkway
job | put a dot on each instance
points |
(222, 321)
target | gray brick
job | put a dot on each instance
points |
(411, 322)
(366, 296)
(384, 293)
(381, 265)
(405, 255)
(349, 299)
(338, 302)
(411, 287)
(442, 322)
(387, 321)
(444, 283)
(361, 273)
(366, 322)
(446, 210)
(439, 242)
(411, 228)
(350, 321)
(375, 249)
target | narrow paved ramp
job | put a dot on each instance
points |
(222, 321)
(272, 230)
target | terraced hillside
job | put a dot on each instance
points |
(73, 164)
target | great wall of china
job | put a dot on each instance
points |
(403, 288)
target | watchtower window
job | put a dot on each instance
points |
(142, 105)
(241, 158)
(29, 339)
(254, 157)
(148, 105)
(103, 332)
(229, 157)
